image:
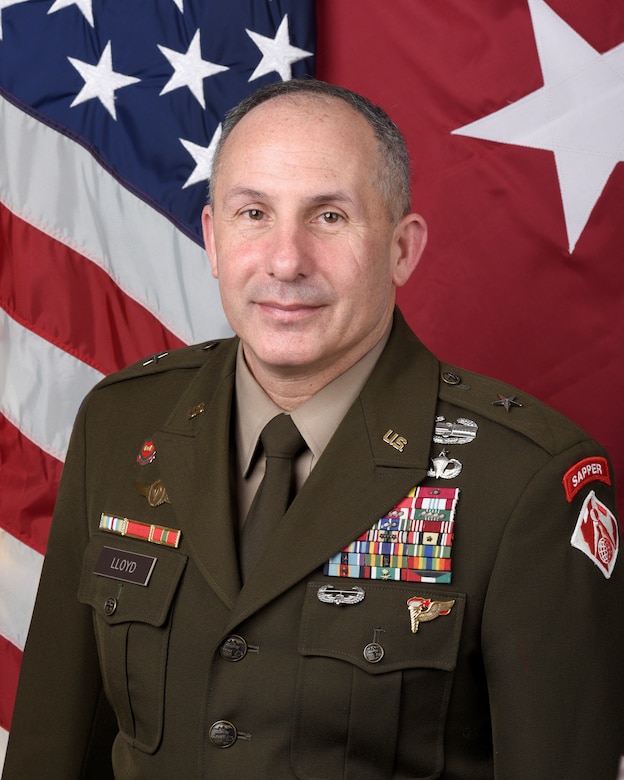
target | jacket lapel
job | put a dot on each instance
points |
(194, 450)
(364, 471)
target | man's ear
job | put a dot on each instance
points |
(209, 240)
(409, 241)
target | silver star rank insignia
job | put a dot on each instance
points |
(506, 402)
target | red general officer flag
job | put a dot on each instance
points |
(514, 116)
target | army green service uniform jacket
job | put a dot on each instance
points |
(147, 660)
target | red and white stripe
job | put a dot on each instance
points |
(92, 278)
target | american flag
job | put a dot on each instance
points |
(109, 112)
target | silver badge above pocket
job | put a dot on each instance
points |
(331, 595)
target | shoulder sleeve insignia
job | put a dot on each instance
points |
(594, 469)
(596, 534)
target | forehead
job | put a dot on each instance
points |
(306, 131)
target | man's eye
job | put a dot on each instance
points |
(330, 217)
(254, 214)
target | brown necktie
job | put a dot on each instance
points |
(282, 442)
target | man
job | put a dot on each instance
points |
(442, 598)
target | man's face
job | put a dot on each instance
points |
(301, 241)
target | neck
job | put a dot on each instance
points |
(291, 386)
(290, 390)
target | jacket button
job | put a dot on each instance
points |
(222, 733)
(373, 653)
(110, 605)
(233, 648)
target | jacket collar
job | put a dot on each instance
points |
(379, 451)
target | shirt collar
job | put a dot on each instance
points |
(317, 418)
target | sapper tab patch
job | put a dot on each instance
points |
(594, 469)
(412, 542)
(157, 534)
(596, 534)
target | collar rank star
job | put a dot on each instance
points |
(423, 610)
(506, 402)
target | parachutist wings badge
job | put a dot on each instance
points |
(423, 610)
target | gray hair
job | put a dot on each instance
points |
(392, 177)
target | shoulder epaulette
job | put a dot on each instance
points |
(189, 357)
(510, 407)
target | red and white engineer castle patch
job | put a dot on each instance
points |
(596, 534)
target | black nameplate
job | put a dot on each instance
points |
(125, 566)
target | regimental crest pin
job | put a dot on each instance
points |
(423, 610)
(147, 453)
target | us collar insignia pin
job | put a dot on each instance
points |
(461, 432)
(156, 493)
(394, 440)
(147, 453)
(444, 467)
(506, 402)
(423, 610)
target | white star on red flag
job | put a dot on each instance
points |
(578, 115)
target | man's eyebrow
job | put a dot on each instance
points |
(245, 193)
(335, 196)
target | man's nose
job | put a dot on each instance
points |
(289, 252)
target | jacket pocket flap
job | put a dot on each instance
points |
(128, 580)
(376, 634)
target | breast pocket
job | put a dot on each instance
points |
(374, 680)
(132, 604)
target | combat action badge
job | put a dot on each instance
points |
(423, 610)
